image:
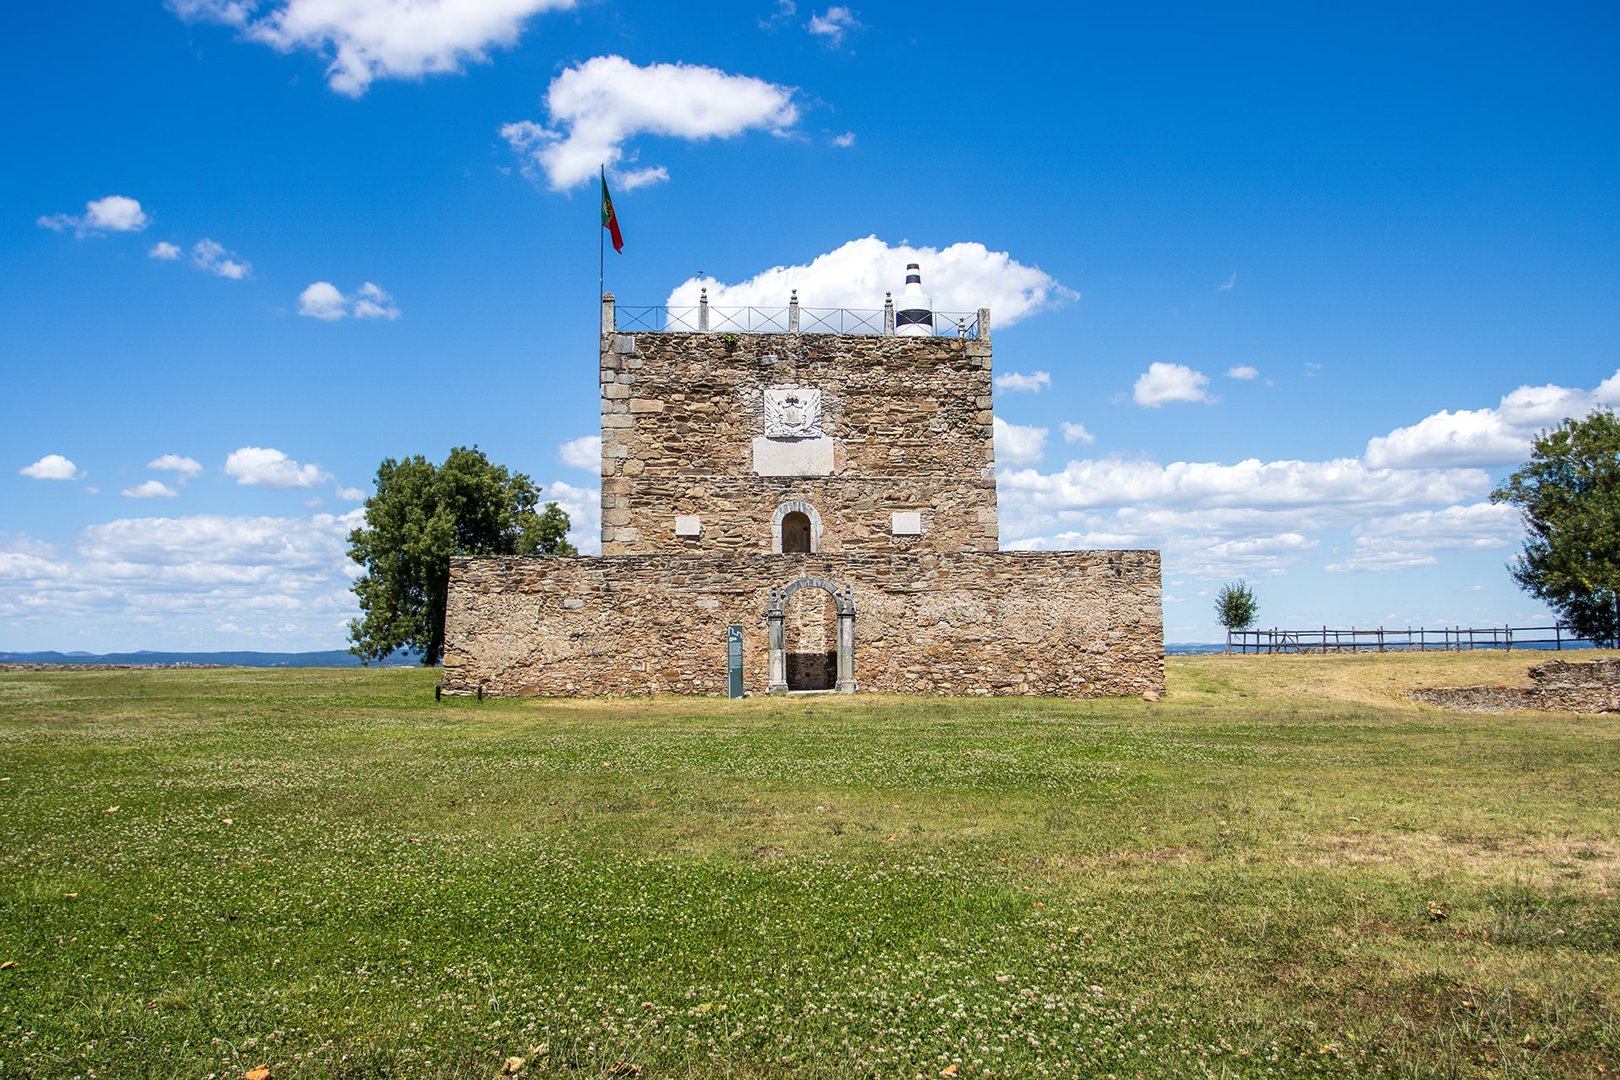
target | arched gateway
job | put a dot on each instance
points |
(776, 617)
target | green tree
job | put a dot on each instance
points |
(1236, 607)
(1569, 494)
(423, 514)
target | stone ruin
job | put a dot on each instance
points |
(1591, 686)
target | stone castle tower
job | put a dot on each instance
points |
(827, 496)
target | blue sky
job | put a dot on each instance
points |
(1280, 289)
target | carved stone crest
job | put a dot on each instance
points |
(792, 412)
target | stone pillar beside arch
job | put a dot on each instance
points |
(776, 619)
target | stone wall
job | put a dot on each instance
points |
(1558, 686)
(907, 422)
(1079, 623)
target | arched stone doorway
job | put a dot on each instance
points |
(776, 621)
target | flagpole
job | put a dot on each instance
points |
(601, 245)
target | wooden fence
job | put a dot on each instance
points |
(1422, 639)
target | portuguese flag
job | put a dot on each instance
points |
(610, 220)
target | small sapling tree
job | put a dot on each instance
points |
(423, 514)
(1236, 607)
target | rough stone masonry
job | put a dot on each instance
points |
(831, 494)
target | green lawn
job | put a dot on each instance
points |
(329, 872)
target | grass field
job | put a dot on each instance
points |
(1282, 869)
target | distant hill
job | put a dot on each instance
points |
(327, 658)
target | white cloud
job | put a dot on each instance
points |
(833, 24)
(164, 250)
(349, 494)
(1203, 485)
(1163, 383)
(584, 509)
(364, 40)
(151, 489)
(265, 467)
(374, 302)
(584, 452)
(211, 255)
(323, 300)
(1076, 433)
(1017, 444)
(844, 141)
(114, 213)
(185, 582)
(1229, 284)
(598, 106)
(1407, 540)
(961, 278)
(183, 466)
(52, 467)
(1242, 371)
(1488, 437)
(1034, 382)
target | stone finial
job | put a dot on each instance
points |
(703, 310)
(984, 324)
(793, 312)
(609, 323)
(888, 314)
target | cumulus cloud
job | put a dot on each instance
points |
(1242, 371)
(365, 40)
(212, 256)
(584, 452)
(187, 582)
(1017, 444)
(832, 24)
(1076, 433)
(323, 300)
(182, 466)
(1345, 482)
(349, 494)
(266, 467)
(1162, 383)
(844, 141)
(151, 489)
(584, 509)
(373, 302)
(1402, 541)
(1488, 437)
(164, 250)
(114, 213)
(52, 467)
(594, 109)
(961, 279)
(1034, 382)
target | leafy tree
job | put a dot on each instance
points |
(423, 514)
(1569, 494)
(1235, 606)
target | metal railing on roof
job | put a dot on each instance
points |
(705, 318)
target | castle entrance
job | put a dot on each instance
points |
(812, 637)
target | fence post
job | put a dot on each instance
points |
(793, 312)
(703, 311)
(888, 314)
(1558, 635)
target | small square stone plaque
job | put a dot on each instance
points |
(688, 525)
(906, 523)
